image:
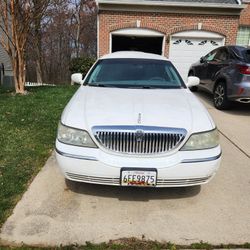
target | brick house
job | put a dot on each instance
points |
(183, 30)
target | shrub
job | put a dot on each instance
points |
(81, 65)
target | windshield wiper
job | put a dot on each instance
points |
(121, 86)
(139, 87)
(148, 87)
(133, 86)
(101, 85)
(153, 87)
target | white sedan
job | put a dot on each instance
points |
(134, 122)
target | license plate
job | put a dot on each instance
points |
(142, 178)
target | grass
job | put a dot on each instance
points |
(134, 244)
(27, 135)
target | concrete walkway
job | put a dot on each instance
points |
(54, 212)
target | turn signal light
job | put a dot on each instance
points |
(244, 69)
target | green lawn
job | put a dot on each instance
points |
(134, 244)
(27, 134)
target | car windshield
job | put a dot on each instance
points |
(134, 73)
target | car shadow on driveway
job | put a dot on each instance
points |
(236, 109)
(132, 193)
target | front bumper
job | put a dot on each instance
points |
(183, 168)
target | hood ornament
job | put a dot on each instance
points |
(139, 118)
(139, 135)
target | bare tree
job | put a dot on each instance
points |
(76, 18)
(37, 35)
(85, 25)
(66, 30)
(56, 42)
(16, 20)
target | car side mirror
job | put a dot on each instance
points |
(193, 81)
(202, 60)
(77, 78)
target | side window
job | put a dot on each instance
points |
(210, 57)
(222, 55)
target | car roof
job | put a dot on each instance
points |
(237, 50)
(235, 47)
(133, 55)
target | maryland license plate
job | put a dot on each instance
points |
(142, 178)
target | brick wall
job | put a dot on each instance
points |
(165, 23)
(245, 16)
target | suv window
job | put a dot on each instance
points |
(222, 55)
(210, 57)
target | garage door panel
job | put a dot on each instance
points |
(185, 51)
(188, 55)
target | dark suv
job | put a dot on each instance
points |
(225, 72)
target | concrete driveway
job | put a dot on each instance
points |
(54, 212)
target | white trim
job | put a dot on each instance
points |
(110, 42)
(197, 34)
(137, 32)
(171, 7)
(170, 3)
(163, 46)
(138, 23)
(200, 26)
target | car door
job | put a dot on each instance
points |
(201, 72)
(220, 60)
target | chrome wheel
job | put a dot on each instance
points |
(219, 95)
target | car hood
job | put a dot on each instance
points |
(97, 106)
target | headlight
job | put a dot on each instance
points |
(74, 137)
(203, 140)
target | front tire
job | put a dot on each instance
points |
(221, 101)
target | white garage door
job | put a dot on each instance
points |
(189, 46)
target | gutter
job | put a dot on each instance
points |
(238, 6)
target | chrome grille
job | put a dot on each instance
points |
(93, 179)
(139, 139)
(116, 180)
(182, 182)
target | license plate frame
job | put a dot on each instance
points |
(151, 172)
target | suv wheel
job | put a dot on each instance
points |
(195, 88)
(220, 96)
